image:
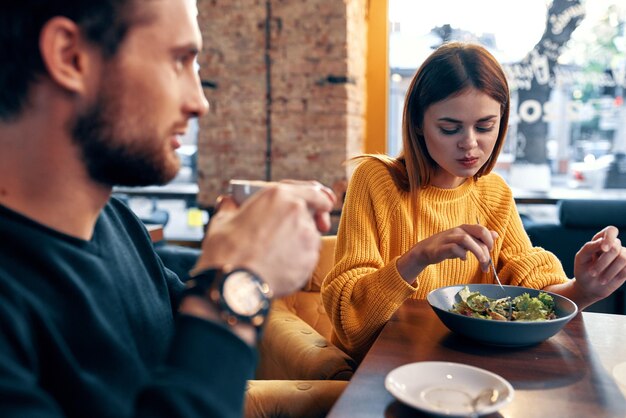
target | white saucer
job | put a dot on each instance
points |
(619, 373)
(446, 389)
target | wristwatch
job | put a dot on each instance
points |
(239, 295)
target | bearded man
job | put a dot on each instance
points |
(95, 94)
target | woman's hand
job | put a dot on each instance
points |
(449, 244)
(600, 265)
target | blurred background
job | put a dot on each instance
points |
(297, 88)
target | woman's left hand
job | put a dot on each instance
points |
(600, 265)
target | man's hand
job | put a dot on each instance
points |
(322, 218)
(275, 233)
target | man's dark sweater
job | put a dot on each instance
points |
(89, 328)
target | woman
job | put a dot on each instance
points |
(410, 223)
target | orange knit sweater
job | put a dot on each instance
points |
(378, 225)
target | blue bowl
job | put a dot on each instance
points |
(502, 333)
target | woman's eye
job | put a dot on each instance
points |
(449, 131)
(487, 128)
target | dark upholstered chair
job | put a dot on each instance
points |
(579, 221)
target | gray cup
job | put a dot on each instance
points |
(241, 190)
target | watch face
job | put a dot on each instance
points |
(242, 294)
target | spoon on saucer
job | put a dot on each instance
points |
(487, 397)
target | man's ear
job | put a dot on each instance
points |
(66, 54)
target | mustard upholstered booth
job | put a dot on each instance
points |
(300, 373)
(291, 398)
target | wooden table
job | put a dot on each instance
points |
(569, 375)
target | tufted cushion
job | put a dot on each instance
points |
(292, 349)
(324, 265)
(291, 398)
(308, 307)
(302, 372)
(296, 342)
(307, 304)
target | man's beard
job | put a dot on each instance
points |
(113, 157)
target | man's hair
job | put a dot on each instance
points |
(103, 22)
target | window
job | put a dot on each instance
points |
(566, 64)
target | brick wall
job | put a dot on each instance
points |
(290, 94)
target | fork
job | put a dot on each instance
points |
(510, 309)
(495, 274)
(493, 268)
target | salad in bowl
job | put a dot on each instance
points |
(520, 308)
(508, 316)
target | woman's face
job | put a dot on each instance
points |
(460, 133)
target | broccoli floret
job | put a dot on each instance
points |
(521, 302)
(547, 300)
(529, 309)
